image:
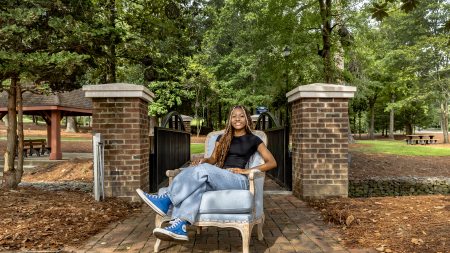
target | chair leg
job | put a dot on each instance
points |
(158, 222)
(259, 228)
(245, 233)
(157, 244)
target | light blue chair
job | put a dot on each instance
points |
(240, 209)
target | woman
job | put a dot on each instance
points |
(223, 170)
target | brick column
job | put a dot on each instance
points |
(120, 114)
(319, 128)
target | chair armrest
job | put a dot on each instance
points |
(256, 187)
(254, 174)
(171, 174)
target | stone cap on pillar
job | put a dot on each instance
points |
(321, 90)
(118, 90)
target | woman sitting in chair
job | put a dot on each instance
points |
(224, 170)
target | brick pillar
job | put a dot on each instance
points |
(319, 128)
(120, 114)
(187, 122)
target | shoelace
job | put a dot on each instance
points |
(174, 223)
(165, 195)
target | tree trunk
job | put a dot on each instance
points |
(9, 175)
(19, 169)
(444, 116)
(35, 120)
(391, 119)
(111, 76)
(372, 122)
(5, 120)
(408, 128)
(325, 53)
(351, 140)
(72, 126)
(359, 124)
(220, 115)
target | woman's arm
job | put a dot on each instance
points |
(269, 161)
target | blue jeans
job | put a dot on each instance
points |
(187, 188)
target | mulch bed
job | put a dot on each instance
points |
(365, 166)
(391, 224)
(35, 219)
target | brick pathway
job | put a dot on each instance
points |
(291, 226)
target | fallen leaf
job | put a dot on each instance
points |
(349, 220)
(380, 249)
(417, 241)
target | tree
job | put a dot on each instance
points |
(380, 10)
(433, 48)
(71, 124)
(41, 50)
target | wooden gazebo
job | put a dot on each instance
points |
(52, 108)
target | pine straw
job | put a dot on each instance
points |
(396, 224)
(34, 219)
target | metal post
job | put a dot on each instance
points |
(98, 149)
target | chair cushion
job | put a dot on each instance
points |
(226, 201)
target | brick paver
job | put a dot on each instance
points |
(290, 226)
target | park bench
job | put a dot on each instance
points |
(35, 146)
(423, 139)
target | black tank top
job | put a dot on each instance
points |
(241, 149)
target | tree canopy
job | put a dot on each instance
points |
(186, 52)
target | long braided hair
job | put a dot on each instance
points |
(224, 143)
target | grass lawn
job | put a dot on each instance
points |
(197, 148)
(398, 148)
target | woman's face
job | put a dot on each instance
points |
(238, 119)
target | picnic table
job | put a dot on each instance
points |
(420, 139)
(35, 146)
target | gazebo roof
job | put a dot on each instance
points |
(71, 103)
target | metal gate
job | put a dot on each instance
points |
(278, 144)
(171, 149)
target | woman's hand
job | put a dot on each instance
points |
(198, 161)
(239, 171)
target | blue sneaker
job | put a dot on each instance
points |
(159, 203)
(177, 231)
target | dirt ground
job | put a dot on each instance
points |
(80, 170)
(391, 224)
(37, 219)
(365, 166)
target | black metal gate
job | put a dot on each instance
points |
(278, 144)
(171, 149)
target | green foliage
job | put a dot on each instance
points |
(168, 95)
(380, 10)
(41, 42)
